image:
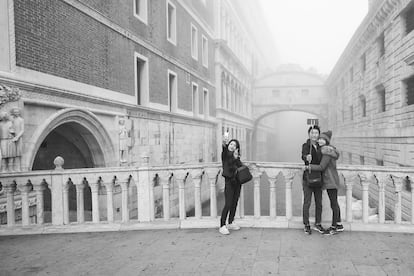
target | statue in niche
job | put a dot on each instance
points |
(123, 140)
(18, 127)
(7, 145)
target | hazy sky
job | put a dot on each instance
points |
(313, 33)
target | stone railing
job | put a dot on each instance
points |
(163, 196)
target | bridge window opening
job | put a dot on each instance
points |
(350, 157)
(381, 98)
(408, 90)
(380, 162)
(408, 16)
(362, 160)
(363, 63)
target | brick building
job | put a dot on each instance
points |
(104, 83)
(372, 88)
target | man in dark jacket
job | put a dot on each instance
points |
(312, 155)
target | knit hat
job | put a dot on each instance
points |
(326, 135)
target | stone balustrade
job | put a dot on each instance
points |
(181, 188)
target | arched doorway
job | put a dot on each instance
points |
(74, 134)
(70, 141)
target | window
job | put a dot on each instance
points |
(351, 112)
(350, 158)
(409, 19)
(204, 51)
(362, 160)
(195, 99)
(381, 98)
(380, 162)
(351, 74)
(172, 91)
(141, 10)
(363, 103)
(408, 88)
(171, 23)
(381, 45)
(194, 43)
(276, 93)
(363, 63)
(206, 103)
(141, 79)
(305, 92)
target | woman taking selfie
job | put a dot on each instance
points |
(230, 158)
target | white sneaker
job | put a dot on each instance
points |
(233, 226)
(223, 230)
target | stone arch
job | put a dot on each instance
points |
(85, 125)
(322, 114)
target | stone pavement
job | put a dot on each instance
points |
(250, 251)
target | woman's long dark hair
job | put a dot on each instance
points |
(237, 144)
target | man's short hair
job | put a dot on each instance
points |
(314, 127)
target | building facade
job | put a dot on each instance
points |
(103, 83)
(371, 89)
(288, 89)
(243, 52)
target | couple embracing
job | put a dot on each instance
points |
(320, 173)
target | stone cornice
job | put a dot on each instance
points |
(370, 27)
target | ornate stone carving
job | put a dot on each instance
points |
(8, 94)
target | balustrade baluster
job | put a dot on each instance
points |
(39, 189)
(212, 178)
(181, 196)
(289, 175)
(398, 183)
(80, 205)
(256, 181)
(95, 201)
(10, 189)
(365, 198)
(348, 185)
(25, 190)
(166, 196)
(109, 186)
(124, 195)
(381, 182)
(412, 198)
(197, 196)
(65, 190)
(272, 197)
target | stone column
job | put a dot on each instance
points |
(66, 203)
(39, 189)
(10, 189)
(256, 194)
(56, 187)
(110, 201)
(125, 209)
(166, 197)
(365, 199)
(289, 204)
(348, 184)
(80, 207)
(143, 190)
(398, 183)
(381, 182)
(181, 196)
(95, 202)
(213, 195)
(25, 190)
(272, 198)
(197, 196)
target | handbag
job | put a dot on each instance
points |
(243, 174)
(314, 179)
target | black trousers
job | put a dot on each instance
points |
(307, 197)
(231, 197)
(336, 211)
